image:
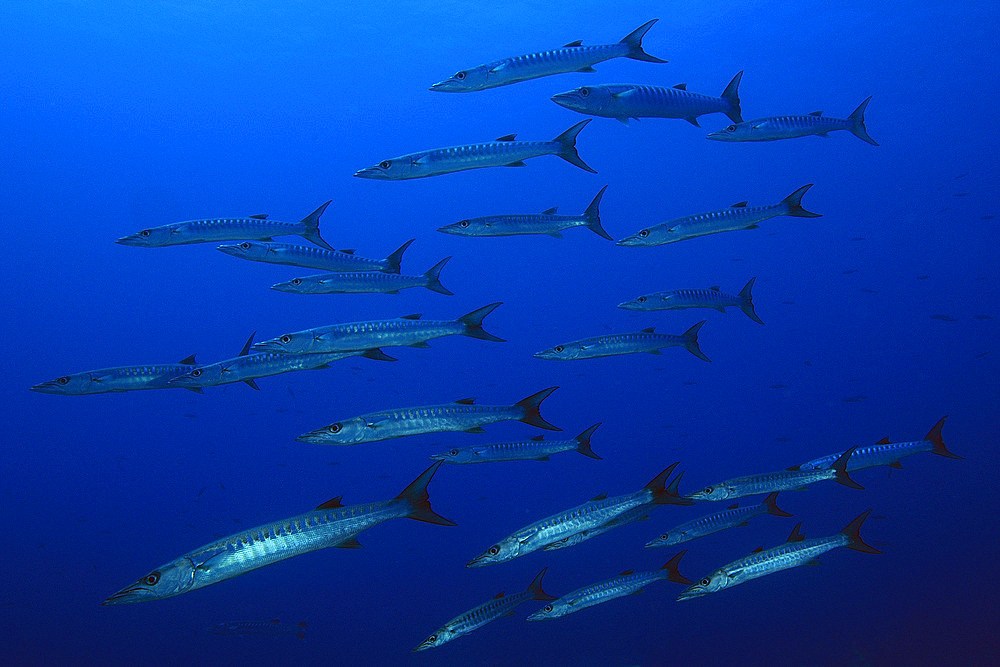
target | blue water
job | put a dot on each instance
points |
(881, 318)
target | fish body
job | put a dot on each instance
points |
(696, 298)
(504, 152)
(272, 628)
(627, 100)
(796, 551)
(789, 127)
(330, 525)
(646, 340)
(738, 216)
(463, 415)
(499, 606)
(547, 222)
(213, 230)
(117, 379)
(640, 513)
(364, 282)
(313, 258)
(885, 453)
(713, 523)
(408, 330)
(573, 57)
(536, 449)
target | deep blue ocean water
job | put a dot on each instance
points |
(880, 318)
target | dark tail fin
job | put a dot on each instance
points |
(664, 494)
(673, 495)
(567, 146)
(535, 587)
(747, 305)
(839, 468)
(934, 437)
(433, 276)
(583, 442)
(771, 503)
(732, 94)
(634, 42)
(857, 119)
(691, 341)
(311, 223)
(531, 405)
(474, 323)
(418, 502)
(794, 204)
(673, 574)
(593, 216)
(393, 260)
(853, 533)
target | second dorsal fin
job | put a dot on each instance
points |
(331, 503)
(188, 361)
(550, 211)
(507, 137)
(600, 496)
(538, 438)
(815, 113)
(578, 42)
(681, 86)
(740, 204)
(259, 216)
(883, 441)
(498, 595)
(466, 401)
(412, 316)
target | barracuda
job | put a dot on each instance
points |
(640, 513)
(573, 57)
(591, 514)
(796, 551)
(738, 216)
(536, 449)
(712, 297)
(314, 258)
(713, 523)
(332, 524)
(118, 379)
(789, 127)
(254, 227)
(365, 282)
(501, 605)
(646, 340)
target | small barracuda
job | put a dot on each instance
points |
(462, 415)
(332, 524)
(589, 515)
(314, 258)
(272, 628)
(547, 222)
(712, 297)
(886, 453)
(118, 379)
(504, 152)
(640, 513)
(783, 480)
(628, 100)
(646, 340)
(737, 216)
(536, 449)
(789, 127)
(501, 605)
(628, 582)
(248, 367)
(713, 523)
(254, 227)
(408, 330)
(365, 282)
(573, 57)
(796, 551)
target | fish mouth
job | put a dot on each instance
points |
(439, 457)
(131, 239)
(233, 249)
(568, 100)
(48, 387)
(537, 616)
(447, 229)
(718, 135)
(629, 241)
(478, 561)
(128, 596)
(267, 345)
(691, 592)
(369, 172)
(628, 305)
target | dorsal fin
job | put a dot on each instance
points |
(733, 506)
(798, 467)
(538, 438)
(796, 535)
(498, 595)
(601, 496)
(883, 441)
(331, 503)
(815, 113)
(188, 361)
(681, 86)
(246, 346)
(740, 204)
(757, 550)
(648, 330)
(626, 573)
(466, 401)
(413, 316)
(507, 137)
(347, 251)
(350, 543)
(550, 211)
(578, 42)
(715, 288)
(259, 216)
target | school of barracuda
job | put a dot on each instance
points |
(333, 524)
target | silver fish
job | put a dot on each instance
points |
(365, 282)
(640, 513)
(118, 379)
(314, 258)
(789, 127)
(713, 523)
(712, 297)
(886, 453)
(536, 449)
(646, 340)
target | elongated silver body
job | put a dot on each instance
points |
(737, 216)
(712, 297)
(364, 282)
(885, 453)
(646, 340)
(640, 513)
(536, 449)
(252, 366)
(313, 258)
(117, 379)
(713, 523)
(774, 128)
(546, 222)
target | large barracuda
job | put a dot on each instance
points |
(504, 152)
(713, 523)
(737, 216)
(886, 453)
(789, 127)
(118, 379)
(628, 100)
(314, 258)
(712, 297)
(365, 282)
(408, 330)
(546, 222)
(248, 367)
(536, 449)
(501, 605)
(628, 582)
(783, 480)
(646, 340)
(573, 57)
(462, 415)
(589, 515)
(796, 551)
(254, 228)
(332, 524)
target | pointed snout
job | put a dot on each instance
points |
(367, 172)
(131, 239)
(565, 99)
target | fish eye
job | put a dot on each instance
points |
(245, 245)
(196, 372)
(286, 338)
(494, 550)
(547, 607)
(297, 281)
(63, 380)
(385, 164)
(152, 578)
(460, 76)
(644, 233)
(707, 490)
(558, 348)
(432, 638)
(641, 299)
(585, 91)
(731, 128)
(454, 452)
(464, 223)
(144, 232)
(705, 582)
(664, 536)
(333, 428)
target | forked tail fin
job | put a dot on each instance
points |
(474, 323)
(531, 404)
(418, 502)
(433, 277)
(634, 41)
(567, 146)
(857, 119)
(593, 216)
(732, 95)
(535, 587)
(839, 468)
(583, 442)
(673, 574)
(311, 223)
(672, 495)
(934, 437)
(691, 341)
(393, 260)
(747, 305)
(853, 533)
(771, 504)
(794, 204)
